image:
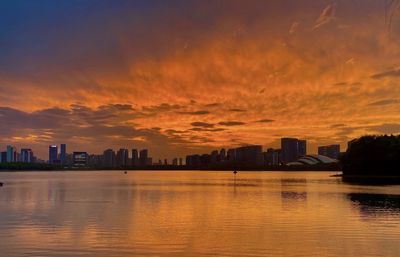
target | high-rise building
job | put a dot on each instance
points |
(249, 155)
(292, 149)
(17, 156)
(69, 159)
(175, 162)
(302, 148)
(214, 158)
(63, 153)
(289, 149)
(272, 157)
(10, 154)
(109, 158)
(205, 159)
(180, 161)
(27, 155)
(3, 157)
(222, 155)
(193, 160)
(135, 158)
(231, 155)
(79, 159)
(143, 157)
(331, 151)
(53, 154)
(122, 158)
(95, 160)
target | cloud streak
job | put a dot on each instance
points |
(327, 14)
(390, 73)
(231, 123)
(265, 121)
(385, 102)
(202, 124)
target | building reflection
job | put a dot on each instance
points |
(293, 192)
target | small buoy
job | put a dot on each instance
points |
(125, 172)
(234, 172)
(1, 184)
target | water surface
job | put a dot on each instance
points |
(167, 213)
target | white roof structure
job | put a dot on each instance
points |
(312, 160)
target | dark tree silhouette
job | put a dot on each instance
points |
(372, 156)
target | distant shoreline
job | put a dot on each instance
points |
(332, 168)
(122, 170)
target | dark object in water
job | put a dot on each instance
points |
(125, 172)
(235, 172)
(1, 184)
(372, 180)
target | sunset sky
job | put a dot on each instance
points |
(181, 77)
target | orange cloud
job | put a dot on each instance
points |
(231, 67)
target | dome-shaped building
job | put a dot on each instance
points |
(312, 160)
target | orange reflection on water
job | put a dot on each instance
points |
(196, 214)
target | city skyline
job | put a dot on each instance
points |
(183, 77)
(292, 151)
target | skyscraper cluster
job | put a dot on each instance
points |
(58, 157)
(242, 156)
(251, 155)
(291, 150)
(122, 158)
(11, 155)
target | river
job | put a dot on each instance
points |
(195, 213)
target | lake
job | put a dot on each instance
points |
(195, 213)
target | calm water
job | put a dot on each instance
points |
(165, 213)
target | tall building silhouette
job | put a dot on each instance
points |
(10, 154)
(144, 157)
(27, 155)
(63, 153)
(331, 151)
(122, 158)
(135, 158)
(292, 149)
(193, 160)
(222, 155)
(53, 154)
(272, 157)
(3, 156)
(109, 158)
(231, 155)
(214, 158)
(249, 155)
(96, 160)
(302, 147)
